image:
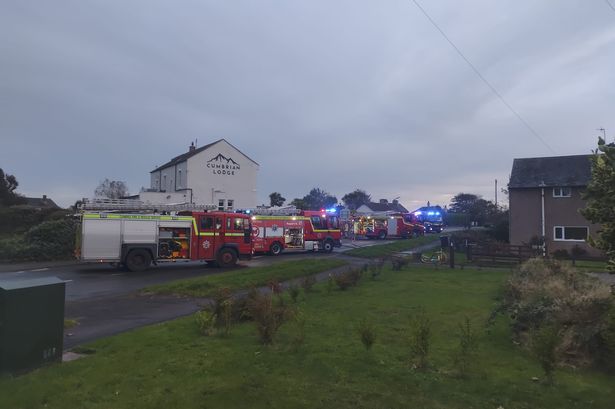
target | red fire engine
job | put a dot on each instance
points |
(402, 225)
(138, 236)
(304, 230)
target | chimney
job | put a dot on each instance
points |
(44, 198)
(192, 147)
(384, 201)
(395, 202)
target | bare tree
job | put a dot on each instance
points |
(112, 189)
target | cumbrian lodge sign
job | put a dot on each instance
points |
(221, 165)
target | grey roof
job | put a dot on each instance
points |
(551, 171)
(386, 207)
(41, 202)
(189, 154)
(184, 156)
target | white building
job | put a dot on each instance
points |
(217, 173)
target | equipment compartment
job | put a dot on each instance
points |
(174, 243)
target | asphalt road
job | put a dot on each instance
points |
(92, 281)
(106, 301)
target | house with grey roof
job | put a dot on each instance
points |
(382, 207)
(545, 195)
(41, 203)
(217, 173)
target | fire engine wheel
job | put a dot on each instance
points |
(327, 246)
(138, 260)
(275, 249)
(226, 258)
(382, 235)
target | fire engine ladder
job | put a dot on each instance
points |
(131, 205)
(281, 211)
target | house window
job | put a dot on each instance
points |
(561, 192)
(568, 233)
(163, 188)
(229, 204)
(221, 205)
(179, 178)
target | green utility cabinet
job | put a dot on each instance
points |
(31, 322)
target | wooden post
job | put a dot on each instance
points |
(451, 254)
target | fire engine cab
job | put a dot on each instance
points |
(136, 235)
(403, 225)
(292, 229)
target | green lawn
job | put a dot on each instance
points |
(244, 278)
(171, 366)
(588, 265)
(382, 250)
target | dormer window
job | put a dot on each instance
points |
(561, 192)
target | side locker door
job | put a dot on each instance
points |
(392, 230)
(207, 237)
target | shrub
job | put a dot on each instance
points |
(307, 283)
(15, 249)
(348, 279)
(220, 306)
(605, 358)
(367, 333)
(227, 309)
(298, 331)
(377, 266)
(544, 346)
(420, 338)
(544, 292)
(276, 287)
(330, 283)
(466, 349)
(52, 239)
(268, 316)
(398, 263)
(293, 291)
(206, 322)
(19, 219)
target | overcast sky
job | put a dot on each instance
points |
(334, 94)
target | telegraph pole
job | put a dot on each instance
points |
(496, 193)
(603, 133)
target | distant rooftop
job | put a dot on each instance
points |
(41, 202)
(385, 206)
(553, 171)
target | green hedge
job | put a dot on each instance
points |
(19, 219)
(50, 240)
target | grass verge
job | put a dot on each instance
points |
(382, 250)
(244, 278)
(171, 365)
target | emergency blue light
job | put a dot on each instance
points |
(332, 210)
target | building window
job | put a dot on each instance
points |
(567, 233)
(179, 178)
(561, 192)
(163, 188)
(221, 205)
(229, 204)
